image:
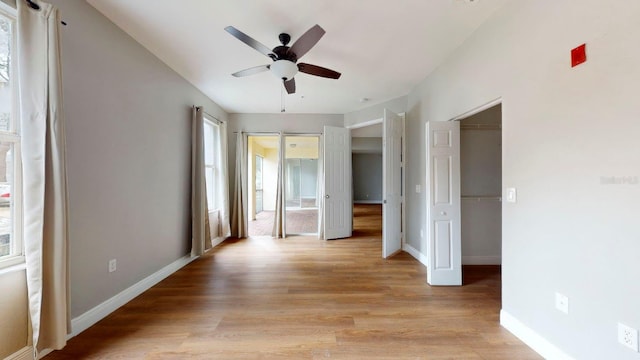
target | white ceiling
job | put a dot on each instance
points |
(382, 48)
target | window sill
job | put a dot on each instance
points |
(13, 268)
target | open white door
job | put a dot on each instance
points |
(391, 184)
(444, 265)
(338, 210)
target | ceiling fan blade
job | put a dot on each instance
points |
(307, 41)
(290, 85)
(318, 71)
(251, 71)
(249, 41)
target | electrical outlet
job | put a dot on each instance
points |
(112, 265)
(628, 336)
(562, 303)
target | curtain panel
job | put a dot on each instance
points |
(200, 230)
(279, 230)
(44, 174)
(239, 219)
(225, 225)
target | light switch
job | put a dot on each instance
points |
(512, 195)
(418, 189)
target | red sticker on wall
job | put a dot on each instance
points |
(579, 55)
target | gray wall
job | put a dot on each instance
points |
(367, 177)
(128, 144)
(375, 111)
(481, 187)
(564, 130)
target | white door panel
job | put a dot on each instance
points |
(391, 184)
(444, 265)
(338, 210)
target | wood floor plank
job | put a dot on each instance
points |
(302, 298)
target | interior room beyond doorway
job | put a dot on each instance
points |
(300, 183)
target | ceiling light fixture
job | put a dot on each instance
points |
(284, 69)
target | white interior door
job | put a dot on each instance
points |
(391, 184)
(443, 203)
(338, 210)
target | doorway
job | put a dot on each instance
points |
(393, 204)
(301, 162)
(481, 187)
(262, 176)
(480, 194)
(367, 163)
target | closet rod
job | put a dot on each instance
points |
(480, 198)
(277, 133)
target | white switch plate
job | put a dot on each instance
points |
(512, 195)
(112, 265)
(418, 189)
(562, 303)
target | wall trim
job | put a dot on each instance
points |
(364, 124)
(26, 353)
(415, 253)
(217, 241)
(482, 260)
(536, 342)
(478, 109)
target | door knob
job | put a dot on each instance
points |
(326, 196)
(443, 213)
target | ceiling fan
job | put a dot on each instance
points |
(285, 58)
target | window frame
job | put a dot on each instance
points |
(13, 136)
(216, 165)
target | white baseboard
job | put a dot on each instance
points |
(482, 260)
(217, 241)
(26, 353)
(367, 201)
(415, 253)
(539, 344)
(89, 318)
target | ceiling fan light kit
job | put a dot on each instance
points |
(285, 58)
(284, 69)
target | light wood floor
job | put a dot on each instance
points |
(302, 298)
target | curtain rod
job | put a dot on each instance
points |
(277, 133)
(213, 117)
(208, 115)
(35, 6)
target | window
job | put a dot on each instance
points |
(10, 180)
(212, 164)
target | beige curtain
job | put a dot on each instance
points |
(320, 189)
(239, 219)
(225, 224)
(278, 218)
(200, 230)
(44, 174)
